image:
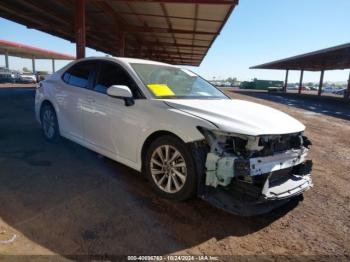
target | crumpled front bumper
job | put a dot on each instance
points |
(279, 188)
(295, 185)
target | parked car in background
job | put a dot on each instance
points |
(27, 79)
(305, 88)
(328, 89)
(184, 134)
(293, 87)
(341, 91)
(275, 89)
(314, 88)
(8, 76)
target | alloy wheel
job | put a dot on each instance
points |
(49, 123)
(168, 169)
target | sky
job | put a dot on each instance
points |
(257, 32)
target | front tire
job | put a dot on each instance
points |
(169, 167)
(49, 123)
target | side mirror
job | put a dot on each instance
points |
(121, 92)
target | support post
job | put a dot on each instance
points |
(286, 81)
(34, 70)
(321, 83)
(347, 93)
(122, 44)
(7, 61)
(53, 66)
(80, 32)
(33, 65)
(301, 81)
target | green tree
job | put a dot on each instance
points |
(26, 70)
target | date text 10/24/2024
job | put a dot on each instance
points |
(173, 258)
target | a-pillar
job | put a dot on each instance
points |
(80, 30)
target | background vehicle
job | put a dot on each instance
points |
(341, 91)
(30, 79)
(274, 89)
(314, 88)
(293, 87)
(8, 76)
(328, 89)
(305, 88)
(184, 134)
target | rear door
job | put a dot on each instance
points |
(75, 85)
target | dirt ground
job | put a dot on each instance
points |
(65, 200)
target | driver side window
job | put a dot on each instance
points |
(112, 74)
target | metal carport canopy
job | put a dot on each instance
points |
(174, 31)
(26, 51)
(333, 58)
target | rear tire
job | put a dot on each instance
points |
(49, 123)
(170, 168)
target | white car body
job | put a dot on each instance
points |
(107, 116)
(105, 125)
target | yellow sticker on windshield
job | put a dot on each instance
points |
(160, 90)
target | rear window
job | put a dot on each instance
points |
(78, 75)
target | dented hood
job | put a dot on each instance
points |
(239, 116)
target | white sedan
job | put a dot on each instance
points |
(183, 133)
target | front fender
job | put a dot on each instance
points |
(174, 121)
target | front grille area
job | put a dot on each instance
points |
(279, 144)
(280, 176)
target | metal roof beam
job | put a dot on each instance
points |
(144, 29)
(170, 53)
(214, 2)
(176, 45)
(170, 16)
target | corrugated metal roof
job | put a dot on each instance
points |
(174, 31)
(26, 51)
(333, 58)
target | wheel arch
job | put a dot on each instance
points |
(44, 103)
(49, 103)
(149, 140)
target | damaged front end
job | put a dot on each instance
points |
(250, 175)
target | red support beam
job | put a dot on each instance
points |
(80, 30)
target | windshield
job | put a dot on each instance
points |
(172, 82)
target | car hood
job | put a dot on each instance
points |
(239, 116)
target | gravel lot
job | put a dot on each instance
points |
(64, 199)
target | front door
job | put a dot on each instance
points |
(102, 119)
